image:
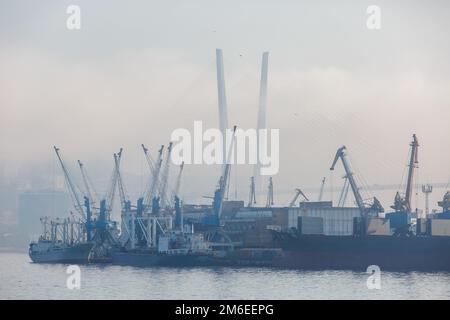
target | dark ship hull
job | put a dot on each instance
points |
(318, 252)
(75, 254)
(152, 259)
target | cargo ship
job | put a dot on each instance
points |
(157, 259)
(418, 253)
(388, 241)
(174, 248)
(63, 241)
(47, 251)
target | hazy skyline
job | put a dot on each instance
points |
(137, 71)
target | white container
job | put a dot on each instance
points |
(310, 225)
(336, 220)
(163, 244)
(440, 227)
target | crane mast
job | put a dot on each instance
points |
(178, 182)
(340, 154)
(269, 200)
(404, 203)
(165, 177)
(223, 181)
(413, 161)
(322, 187)
(122, 194)
(252, 195)
(109, 197)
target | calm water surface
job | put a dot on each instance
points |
(21, 279)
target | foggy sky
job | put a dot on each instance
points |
(139, 69)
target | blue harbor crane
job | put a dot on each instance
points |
(400, 220)
(219, 193)
(176, 196)
(363, 208)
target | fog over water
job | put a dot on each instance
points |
(137, 71)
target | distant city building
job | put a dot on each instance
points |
(32, 205)
(8, 204)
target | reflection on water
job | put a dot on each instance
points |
(21, 279)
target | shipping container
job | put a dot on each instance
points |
(379, 227)
(423, 226)
(398, 219)
(246, 213)
(336, 220)
(443, 215)
(440, 227)
(310, 225)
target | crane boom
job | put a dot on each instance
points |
(252, 195)
(340, 154)
(223, 181)
(322, 187)
(403, 203)
(90, 192)
(298, 192)
(413, 161)
(178, 182)
(165, 178)
(154, 183)
(109, 197)
(72, 190)
(122, 194)
(149, 159)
